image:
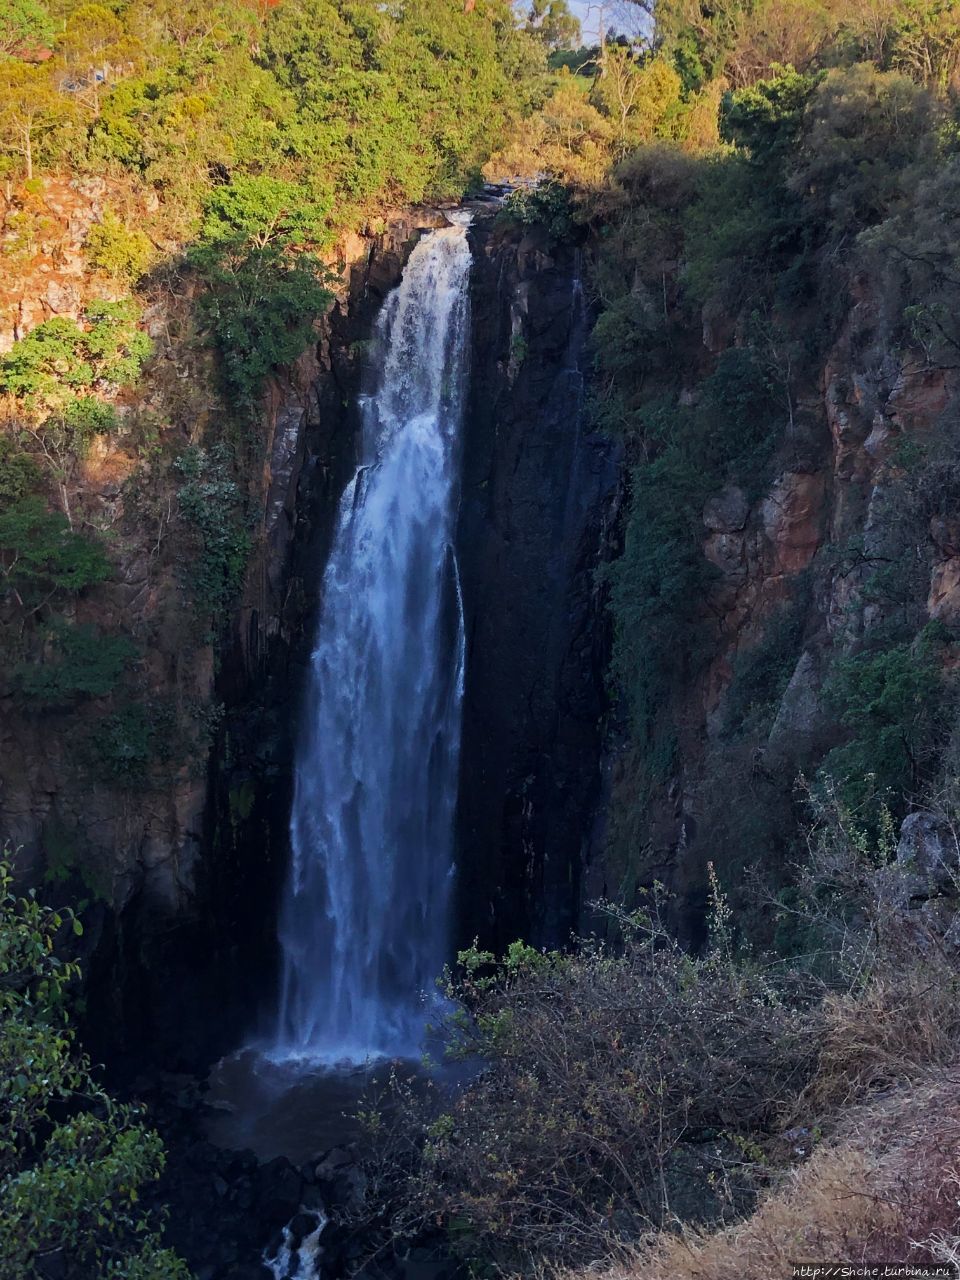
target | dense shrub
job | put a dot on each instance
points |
(117, 250)
(60, 358)
(76, 661)
(548, 205)
(897, 706)
(360, 104)
(41, 557)
(73, 1162)
(618, 1085)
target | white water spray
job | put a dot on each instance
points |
(364, 920)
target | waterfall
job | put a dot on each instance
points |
(365, 913)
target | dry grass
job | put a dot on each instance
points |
(895, 1029)
(885, 1189)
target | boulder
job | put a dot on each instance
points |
(726, 511)
(280, 1192)
(801, 726)
(928, 850)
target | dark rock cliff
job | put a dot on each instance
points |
(537, 499)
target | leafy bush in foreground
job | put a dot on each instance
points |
(73, 1162)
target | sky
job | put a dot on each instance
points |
(619, 14)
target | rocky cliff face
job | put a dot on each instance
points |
(45, 272)
(539, 492)
(847, 543)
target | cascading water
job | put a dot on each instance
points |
(364, 920)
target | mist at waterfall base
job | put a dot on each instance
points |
(364, 924)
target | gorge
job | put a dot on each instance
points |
(479, 633)
(506, 471)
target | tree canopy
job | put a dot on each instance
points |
(73, 1161)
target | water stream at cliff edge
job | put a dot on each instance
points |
(365, 913)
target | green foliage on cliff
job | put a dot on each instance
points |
(212, 504)
(897, 708)
(658, 583)
(60, 358)
(42, 558)
(547, 205)
(126, 744)
(19, 473)
(762, 672)
(73, 1161)
(76, 661)
(246, 138)
(259, 304)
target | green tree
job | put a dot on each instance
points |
(867, 138)
(260, 305)
(641, 99)
(552, 22)
(73, 1162)
(700, 38)
(925, 41)
(260, 211)
(916, 254)
(767, 118)
(24, 25)
(64, 438)
(42, 558)
(30, 109)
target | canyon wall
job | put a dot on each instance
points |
(538, 506)
(842, 546)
